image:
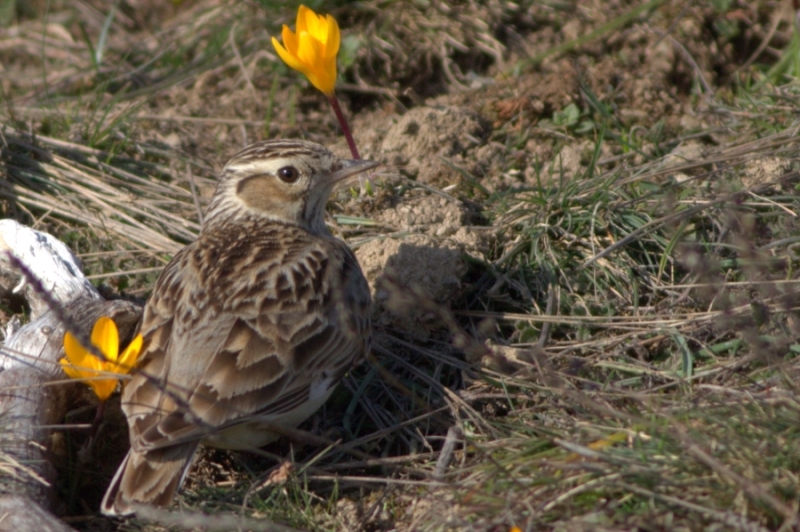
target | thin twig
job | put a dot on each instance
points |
(454, 436)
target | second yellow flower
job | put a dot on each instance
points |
(81, 364)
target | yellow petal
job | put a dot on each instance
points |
(103, 388)
(289, 40)
(106, 338)
(128, 358)
(334, 38)
(303, 14)
(309, 51)
(78, 355)
(315, 25)
(288, 57)
(73, 348)
(326, 78)
(320, 74)
(71, 371)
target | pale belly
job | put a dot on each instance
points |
(256, 432)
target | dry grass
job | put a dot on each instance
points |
(624, 357)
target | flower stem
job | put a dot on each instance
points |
(345, 127)
(98, 419)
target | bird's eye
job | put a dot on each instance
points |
(288, 174)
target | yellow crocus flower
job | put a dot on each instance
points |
(313, 49)
(81, 364)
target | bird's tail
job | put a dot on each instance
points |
(151, 477)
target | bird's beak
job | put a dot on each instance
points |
(350, 168)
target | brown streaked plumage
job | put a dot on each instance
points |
(250, 327)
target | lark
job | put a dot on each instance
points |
(250, 327)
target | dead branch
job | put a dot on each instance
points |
(30, 396)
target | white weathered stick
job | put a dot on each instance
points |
(50, 261)
(29, 365)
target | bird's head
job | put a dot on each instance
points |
(286, 181)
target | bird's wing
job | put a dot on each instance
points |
(254, 342)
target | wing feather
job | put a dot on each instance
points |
(209, 365)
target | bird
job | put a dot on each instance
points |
(250, 327)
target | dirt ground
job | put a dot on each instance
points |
(519, 141)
